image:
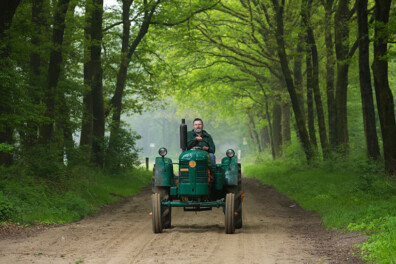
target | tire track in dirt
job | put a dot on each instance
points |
(273, 232)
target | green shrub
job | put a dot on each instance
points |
(348, 193)
(122, 153)
(7, 208)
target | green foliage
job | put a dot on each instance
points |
(7, 208)
(4, 147)
(348, 193)
(122, 152)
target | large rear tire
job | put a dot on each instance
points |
(156, 212)
(166, 216)
(238, 209)
(166, 212)
(238, 200)
(229, 213)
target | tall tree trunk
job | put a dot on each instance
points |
(264, 138)
(302, 131)
(269, 119)
(341, 29)
(87, 113)
(54, 69)
(7, 12)
(35, 64)
(277, 128)
(98, 114)
(297, 72)
(127, 52)
(383, 92)
(315, 75)
(366, 91)
(330, 65)
(253, 132)
(116, 101)
(285, 125)
(310, 103)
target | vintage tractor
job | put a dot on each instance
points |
(199, 186)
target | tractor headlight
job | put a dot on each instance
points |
(230, 153)
(162, 152)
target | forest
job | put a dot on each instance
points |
(303, 82)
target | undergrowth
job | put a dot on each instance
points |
(68, 195)
(348, 193)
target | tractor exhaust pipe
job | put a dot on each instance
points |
(183, 135)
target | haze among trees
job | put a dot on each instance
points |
(318, 72)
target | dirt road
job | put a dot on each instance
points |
(276, 230)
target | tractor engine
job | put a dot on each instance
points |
(194, 174)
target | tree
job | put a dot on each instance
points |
(366, 91)
(302, 131)
(383, 92)
(54, 69)
(98, 112)
(306, 17)
(6, 130)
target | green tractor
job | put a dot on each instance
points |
(199, 186)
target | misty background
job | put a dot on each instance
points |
(161, 128)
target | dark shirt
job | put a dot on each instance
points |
(206, 141)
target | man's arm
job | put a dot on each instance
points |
(212, 147)
(191, 142)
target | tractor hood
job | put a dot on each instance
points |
(194, 154)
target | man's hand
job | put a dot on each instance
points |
(198, 138)
(205, 148)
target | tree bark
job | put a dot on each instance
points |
(297, 72)
(269, 119)
(87, 113)
(35, 65)
(96, 83)
(285, 124)
(54, 69)
(264, 138)
(341, 29)
(366, 91)
(383, 92)
(253, 132)
(330, 65)
(127, 52)
(7, 11)
(277, 128)
(315, 76)
(310, 104)
(303, 134)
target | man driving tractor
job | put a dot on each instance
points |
(200, 138)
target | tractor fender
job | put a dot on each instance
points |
(163, 172)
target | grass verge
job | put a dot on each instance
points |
(69, 196)
(349, 195)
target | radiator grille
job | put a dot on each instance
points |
(201, 170)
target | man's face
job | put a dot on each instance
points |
(197, 126)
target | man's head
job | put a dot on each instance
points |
(197, 125)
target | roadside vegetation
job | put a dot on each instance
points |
(349, 193)
(64, 193)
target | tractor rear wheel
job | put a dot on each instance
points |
(166, 212)
(238, 200)
(238, 209)
(229, 213)
(156, 212)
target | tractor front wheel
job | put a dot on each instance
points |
(156, 212)
(229, 213)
